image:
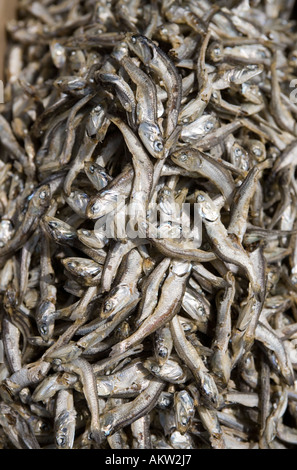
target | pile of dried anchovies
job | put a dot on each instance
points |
(121, 329)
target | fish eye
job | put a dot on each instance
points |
(247, 361)
(163, 352)
(200, 310)
(133, 39)
(186, 327)
(245, 165)
(44, 427)
(200, 198)
(94, 208)
(43, 329)
(61, 441)
(57, 361)
(92, 169)
(184, 421)
(158, 146)
(86, 233)
(238, 152)
(144, 225)
(208, 126)
(183, 157)
(43, 194)
(257, 151)
(53, 224)
(155, 369)
(252, 67)
(108, 306)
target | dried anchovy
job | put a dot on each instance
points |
(177, 332)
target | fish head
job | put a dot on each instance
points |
(240, 157)
(165, 400)
(58, 54)
(78, 201)
(206, 207)
(165, 200)
(64, 354)
(215, 51)
(45, 319)
(116, 301)
(120, 51)
(162, 353)
(10, 299)
(138, 44)
(65, 430)
(96, 175)
(41, 197)
(70, 84)
(187, 159)
(197, 129)
(151, 138)
(257, 150)
(239, 75)
(152, 365)
(95, 120)
(104, 203)
(92, 240)
(59, 230)
(180, 268)
(185, 411)
(6, 231)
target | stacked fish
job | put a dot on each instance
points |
(148, 234)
